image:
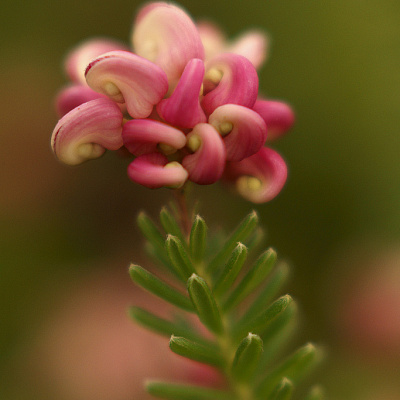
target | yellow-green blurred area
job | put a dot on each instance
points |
(67, 233)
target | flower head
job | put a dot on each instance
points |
(185, 103)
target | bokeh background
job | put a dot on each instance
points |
(67, 235)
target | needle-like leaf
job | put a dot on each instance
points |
(195, 351)
(154, 285)
(247, 357)
(255, 277)
(242, 232)
(316, 393)
(204, 303)
(170, 224)
(179, 257)
(268, 292)
(164, 327)
(293, 368)
(198, 239)
(283, 390)
(231, 270)
(261, 322)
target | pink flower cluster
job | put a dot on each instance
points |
(185, 103)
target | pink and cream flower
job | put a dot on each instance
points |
(185, 103)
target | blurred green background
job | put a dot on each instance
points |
(337, 62)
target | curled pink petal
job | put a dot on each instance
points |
(86, 131)
(80, 57)
(165, 34)
(278, 116)
(141, 136)
(258, 178)
(153, 171)
(212, 38)
(130, 79)
(230, 79)
(183, 108)
(206, 164)
(73, 96)
(253, 45)
(243, 130)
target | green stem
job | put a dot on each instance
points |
(184, 215)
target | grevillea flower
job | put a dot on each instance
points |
(185, 104)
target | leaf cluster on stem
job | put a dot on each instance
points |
(236, 302)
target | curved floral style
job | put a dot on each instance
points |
(185, 104)
(260, 177)
(87, 131)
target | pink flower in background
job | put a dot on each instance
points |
(368, 313)
(89, 349)
(185, 104)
